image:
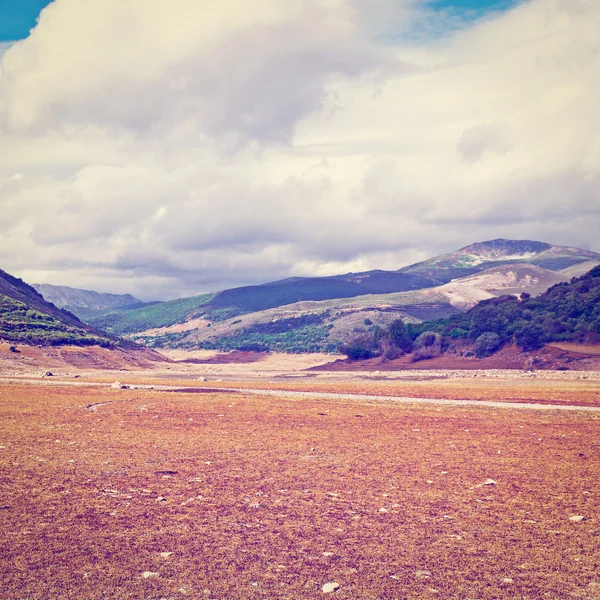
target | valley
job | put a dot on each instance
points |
(239, 479)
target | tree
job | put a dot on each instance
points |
(360, 346)
(530, 337)
(486, 344)
(399, 336)
(427, 345)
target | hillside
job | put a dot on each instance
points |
(538, 265)
(26, 318)
(322, 325)
(484, 255)
(74, 298)
(560, 329)
(566, 312)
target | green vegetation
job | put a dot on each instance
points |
(19, 323)
(565, 312)
(163, 314)
(486, 344)
(293, 335)
(427, 345)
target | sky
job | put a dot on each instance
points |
(165, 149)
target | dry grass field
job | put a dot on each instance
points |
(122, 493)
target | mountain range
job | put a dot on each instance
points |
(73, 298)
(303, 313)
(26, 317)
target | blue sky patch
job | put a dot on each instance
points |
(17, 17)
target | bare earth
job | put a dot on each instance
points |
(265, 480)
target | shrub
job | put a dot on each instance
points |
(360, 346)
(399, 335)
(530, 337)
(486, 344)
(427, 345)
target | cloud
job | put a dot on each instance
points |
(172, 148)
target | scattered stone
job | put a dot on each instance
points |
(489, 482)
(576, 518)
(331, 587)
(149, 574)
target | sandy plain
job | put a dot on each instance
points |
(194, 481)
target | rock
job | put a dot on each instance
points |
(49, 374)
(331, 587)
(508, 580)
(165, 554)
(489, 482)
(576, 518)
(161, 499)
(149, 574)
(116, 385)
(201, 379)
(328, 554)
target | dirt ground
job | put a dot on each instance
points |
(145, 493)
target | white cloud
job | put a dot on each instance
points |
(172, 148)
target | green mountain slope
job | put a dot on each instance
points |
(565, 312)
(25, 317)
(231, 305)
(133, 319)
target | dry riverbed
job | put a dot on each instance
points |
(145, 493)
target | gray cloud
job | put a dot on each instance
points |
(226, 144)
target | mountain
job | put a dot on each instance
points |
(424, 290)
(74, 298)
(27, 318)
(484, 255)
(323, 325)
(566, 312)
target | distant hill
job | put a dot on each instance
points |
(484, 255)
(229, 306)
(566, 312)
(323, 325)
(25, 317)
(74, 298)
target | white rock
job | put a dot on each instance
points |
(327, 554)
(489, 482)
(165, 554)
(508, 580)
(149, 574)
(201, 379)
(576, 518)
(331, 587)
